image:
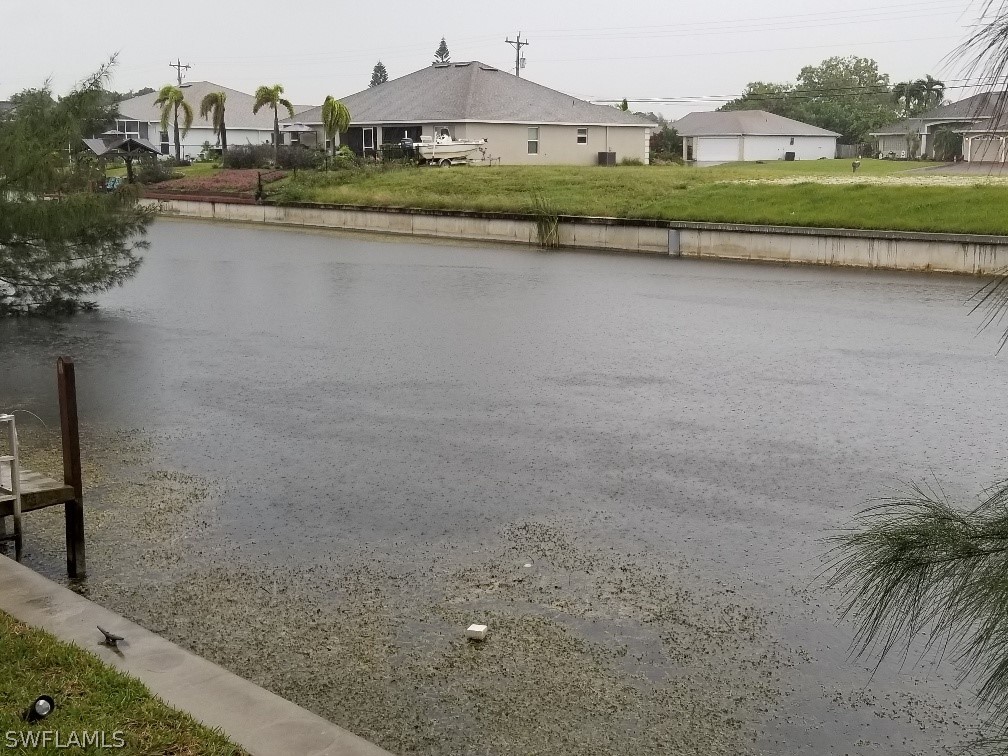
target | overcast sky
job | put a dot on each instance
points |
(592, 49)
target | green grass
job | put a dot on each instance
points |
(716, 194)
(89, 696)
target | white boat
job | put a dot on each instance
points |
(444, 150)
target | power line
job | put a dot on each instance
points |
(826, 16)
(178, 65)
(517, 44)
(834, 93)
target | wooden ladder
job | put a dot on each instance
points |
(8, 437)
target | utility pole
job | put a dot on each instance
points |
(517, 44)
(178, 65)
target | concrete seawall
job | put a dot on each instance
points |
(972, 254)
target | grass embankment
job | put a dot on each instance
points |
(882, 195)
(90, 697)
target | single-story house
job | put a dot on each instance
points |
(972, 118)
(141, 118)
(524, 123)
(731, 135)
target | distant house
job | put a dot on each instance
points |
(524, 123)
(726, 136)
(141, 118)
(983, 139)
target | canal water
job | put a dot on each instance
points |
(317, 457)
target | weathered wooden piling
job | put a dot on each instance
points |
(74, 509)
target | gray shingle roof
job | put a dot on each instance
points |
(745, 122)
(473, 92)
(979, 107)
(237, 110)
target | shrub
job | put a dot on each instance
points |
(295, 157)
(155, 171)
(631, 161)
(248, 156)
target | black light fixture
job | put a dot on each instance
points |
(40, 709)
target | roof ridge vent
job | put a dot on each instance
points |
(463, 65)
(442, 65)
(488, 68)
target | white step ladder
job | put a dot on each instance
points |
(9, 456)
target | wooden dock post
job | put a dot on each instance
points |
(67, 387)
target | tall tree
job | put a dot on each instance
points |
(272, 97)
(77, 242)
(908, 96)
(378, 75)
(335, 119)
(441, 55)
(844, 94)
(933, 91)
(171, 100)
(212, 108)
(624, 106)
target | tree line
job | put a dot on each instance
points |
(848, 95)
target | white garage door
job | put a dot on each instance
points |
(985, 149)
(716, 149)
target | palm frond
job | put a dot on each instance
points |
(187, 116)
(985, 53)
(920, 566)
(992, 301)
(287, 105)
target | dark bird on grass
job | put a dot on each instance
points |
(855, 165)
(111, 639)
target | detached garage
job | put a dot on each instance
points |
(735, 135)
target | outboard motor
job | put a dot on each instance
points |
(406, 144)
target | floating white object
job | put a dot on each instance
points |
(476, 632)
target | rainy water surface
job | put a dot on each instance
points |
(317, 457)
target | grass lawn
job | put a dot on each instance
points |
(89, 696)
(882, 195)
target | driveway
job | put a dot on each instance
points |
(965, 169)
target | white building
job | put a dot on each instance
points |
(141, 118)
(735, 135)
(524, 123)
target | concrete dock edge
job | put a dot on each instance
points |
(261, 722)
(971, 254)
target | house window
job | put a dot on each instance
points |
(533, 140)
(165, 147)
(582, 135)
(131, 128)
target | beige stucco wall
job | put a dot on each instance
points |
(557, 144)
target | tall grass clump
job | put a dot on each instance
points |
(547, 221)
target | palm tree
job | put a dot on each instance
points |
(212, 108)
(933, 91)
(335, 119)
(272, 97)
(907, 95)
(171, 100)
